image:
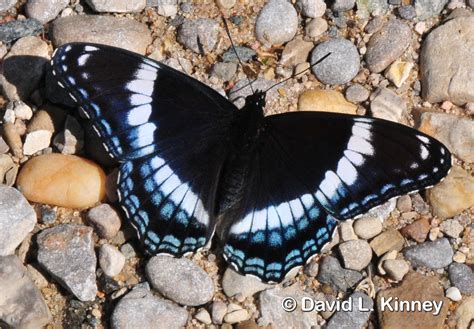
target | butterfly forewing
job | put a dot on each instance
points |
(163, 127)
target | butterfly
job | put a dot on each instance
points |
(272, 188)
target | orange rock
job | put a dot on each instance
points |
(62, 180)
(325, 101)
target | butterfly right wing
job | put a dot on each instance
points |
(165, 128)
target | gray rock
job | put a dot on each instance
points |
(375, 24)
(451, 228)
(276, 23)
(117, 6)
(23, 67)
(180, 280)
(128, 251)
(219, 310)
(407, 12)
(356, 254)
(167, 8)
(271, 309)
(71, 139)
(67, 252)
(429, 8)
(21, 303)
(470, 3)
(356, 318)
(245, 54)
(242, 89)
(367, 227)
(342, 5)
(357, 93)
(462, 277)
(387, 45)
(7, 4)
(111, 260)
(45, 10)
(341, 66)
(113, 31)
(316, 27)
(295, 52)
(432, 254)
(388, 105)
(8, 170)
(367, 7)
(331, 273)
(105, 219)
(224, 71)
(141, 309)
(446, 62)
(311, 8)
(17, 219)
(234, 283)
(14, 30)
(199, 35)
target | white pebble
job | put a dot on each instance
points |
(111, 260)
(454, 294)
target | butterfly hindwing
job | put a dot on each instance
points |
(163, 127)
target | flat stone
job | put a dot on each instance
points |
(346, 231)
(444, 52)
(236, 316)
(141, 309)
(464, 314)
(113, 31)
(246, 54)
(429, 8)
(432, 254)
(199, 35)
(453, 195)
(391, 239)
(325, 101)
(219, 310)
(387, 45)
(111, 260)
(17, 29)
(17, 219)
(23, 67)
(331, 273)
(13, 139)
(342, 5)
(367, 7)
(311, 8)
(203, 316)
(180, 280)
(399, 72)
(452, 131)
(388, 105)
(36, 141)
(451, 227)
(315, 28)
(276, 23)
(462, 277)
(356, 93)
(117, 6)
(418, 230)
(356, 254)
(295, 52)
(21, 303)
(105, 219)
(396, 268)
(67, 252)
(45, 11)
(415, 287)
(271, 310)
(234, 283)
(357, 317)
(367, 227)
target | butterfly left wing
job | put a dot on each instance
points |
(310, 168)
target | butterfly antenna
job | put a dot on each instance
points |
(304, 71)
(235, 51)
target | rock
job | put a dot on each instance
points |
(23, 67)
(117, 6)
(342, 5)
(429, 8)
(113, 31)
(325, 101)
(219, 310)
(387, 45)
(168, 8)
(415, 287)
(203, 316)
(180, 280)
(276, 23)
(396, 268)
(311, 269)
(331, 273)
(311, 8)
(22, 111)
(432, 254)
(7, 4)
(13, 139)
(462, 277)
(105, 219)
(8, 170)
(66, 252)
(407, 12)
(453, 195)
(367, 227)
(21, 303)
(295, 52)
(141, 309)
(341, 66)
(17, 29)
(346, 231)
(404, 203)
(111, 260)
(45, 11)
(62, 180)
(128, 251)
(451, 228)
(465, 313)
(236, 316)
(17, 219)
(315, 28)
(271, 310)
(374, 25)
(454, 294)
(357, 93)
(391, 239)
(459, 257)
(224, 71)
(71, 139)
(418, 230)
(226, 4)
(356, 254)
(357, 316)
(399, 72)
(36, 141)
(452, 131)
(444, 51)
(4, 148)
(367, 7)
(37, 277)
(388, 105)
(234, 283)
(199, 35)
(245, 54)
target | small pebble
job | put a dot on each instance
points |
(111, 260)
(236, 316)
(389, 240)
(407, 12)
(45, 10)
(276, 23)
(404, 203)
(387, 105)
(246, 54)
(234, 283)
(199, 35)
(356, 93)
(454, 294)
(331, 273)
(459, 257)
(356, 254)
(315, 28)
(311, 269)
(434, 255)
(118, 6)
(226, 4)
(219, 310)
(367, 227)
(22, 111)
(418, 230)
(346, 231)
(311, 8)
(462, 277)
(451, 228)
(128, 251)
(105, 219)
(167, 8)
(396, 268)
(224, 71)
(203, 316)
(16, 29)
(342, 5)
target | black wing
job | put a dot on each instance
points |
(167, 131)
(311, 168)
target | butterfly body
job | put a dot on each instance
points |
(271, 187)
